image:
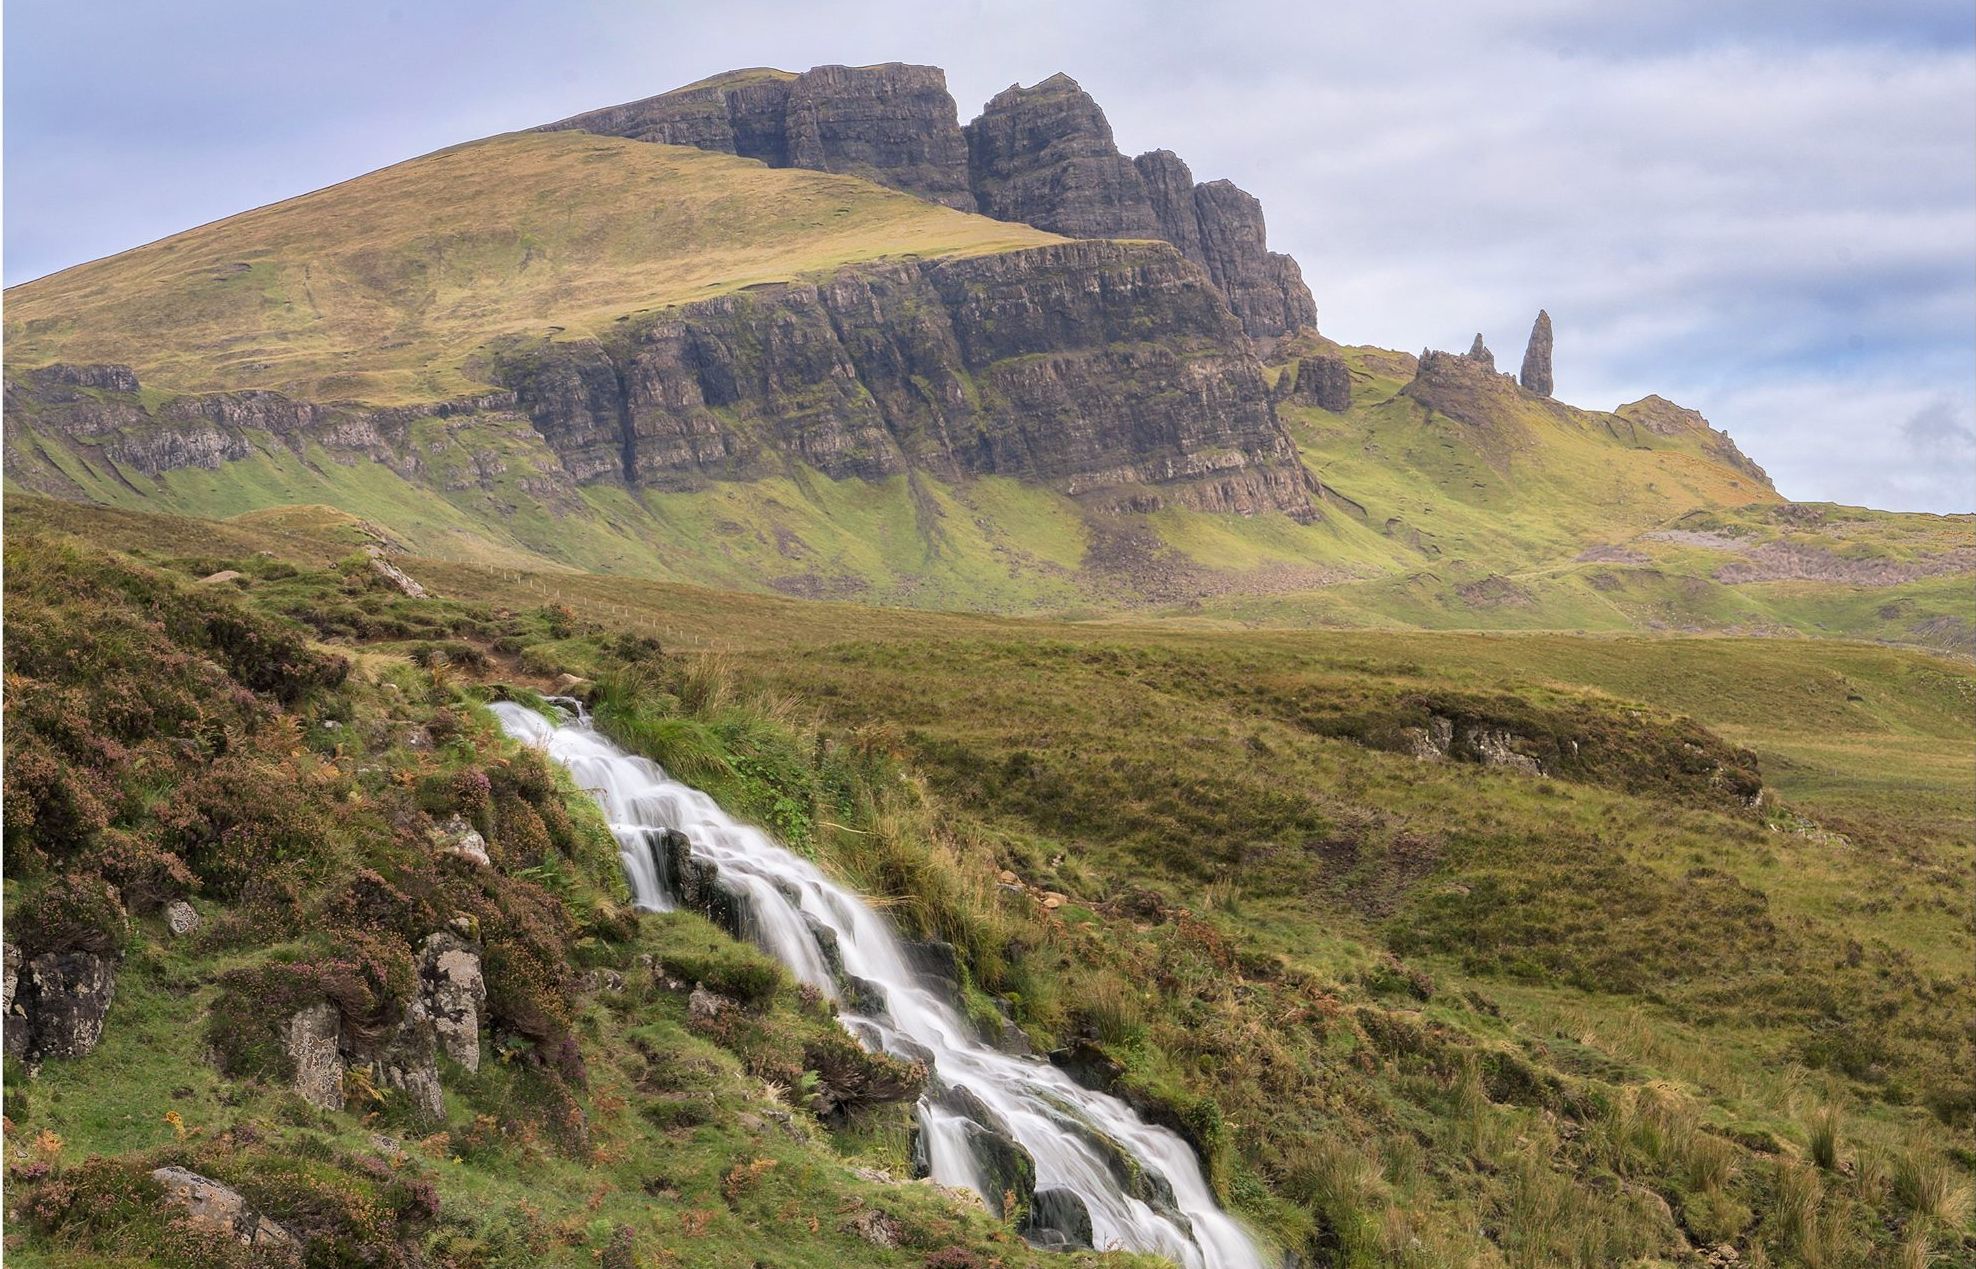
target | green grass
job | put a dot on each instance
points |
(382, 288)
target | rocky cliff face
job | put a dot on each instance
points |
(1103, 369)
(893, 124)
(1045, 156)
(1042, 155)
(1111, 371)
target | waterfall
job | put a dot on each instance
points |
(1140, 1185)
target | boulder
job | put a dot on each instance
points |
(457, 837)
(59, 1004)
(224, 575)
(313, 1039)
(1536, 375)
(222, 1209)
(1060, 1212)
(392, 573)
(454, 996)
(13, 976)
(407, 1062)
(182, 918)
(1325, 382)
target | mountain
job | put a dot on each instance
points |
(758, 332)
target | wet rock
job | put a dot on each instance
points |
(936, 959)
(313, 1038)
(1007, 1171)
(181, 918)
(222, 1209)
(455, 995)
(59, 1005)
(1536, 374)
(861, 995)
(697, 883)
(1060, 1212)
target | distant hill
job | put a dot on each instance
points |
(717, 362)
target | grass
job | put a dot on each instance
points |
(382, 288)
(1577, 1013)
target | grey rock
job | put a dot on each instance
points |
(12, 978)
(407, 1060)
(392, 573)
(1479, 352)
(1044, 156)
(1061, 1212)
(1536, 374)
(1325, 382)
(457, 837)
(220, 1208)
(182, 918)
(60, 1003)
(455, 995)
(1111, 371)
(313, 1039)
(894, 124)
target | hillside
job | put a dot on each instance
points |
(1440, 948)
(382, 289)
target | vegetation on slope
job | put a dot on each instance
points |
(1411, 1011)
(382, 288)
(166, 742)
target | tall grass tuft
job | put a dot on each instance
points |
(1925, 1185)
(1823, 1131)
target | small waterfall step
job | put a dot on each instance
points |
(1091, 1172)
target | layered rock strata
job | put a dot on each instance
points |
(1042, 155)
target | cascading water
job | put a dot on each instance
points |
(1140, 1184)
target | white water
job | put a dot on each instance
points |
(1060, 1123)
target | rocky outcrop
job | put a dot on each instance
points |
(894, 124)
(1463, 386)
(1325, 382)
(1266, 289)
(1042, 155)
(209, 1205)
(1658, 415)
(312, 1038)
(57, 1003)
(1536, 374)
(454, 994)
(1045, 156)
(1107, 370)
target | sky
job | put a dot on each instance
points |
(1763, 210)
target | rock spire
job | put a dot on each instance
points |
(1536, 376)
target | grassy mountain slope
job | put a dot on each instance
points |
(1479, 506)
(1413, 1012)
(381, 289)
